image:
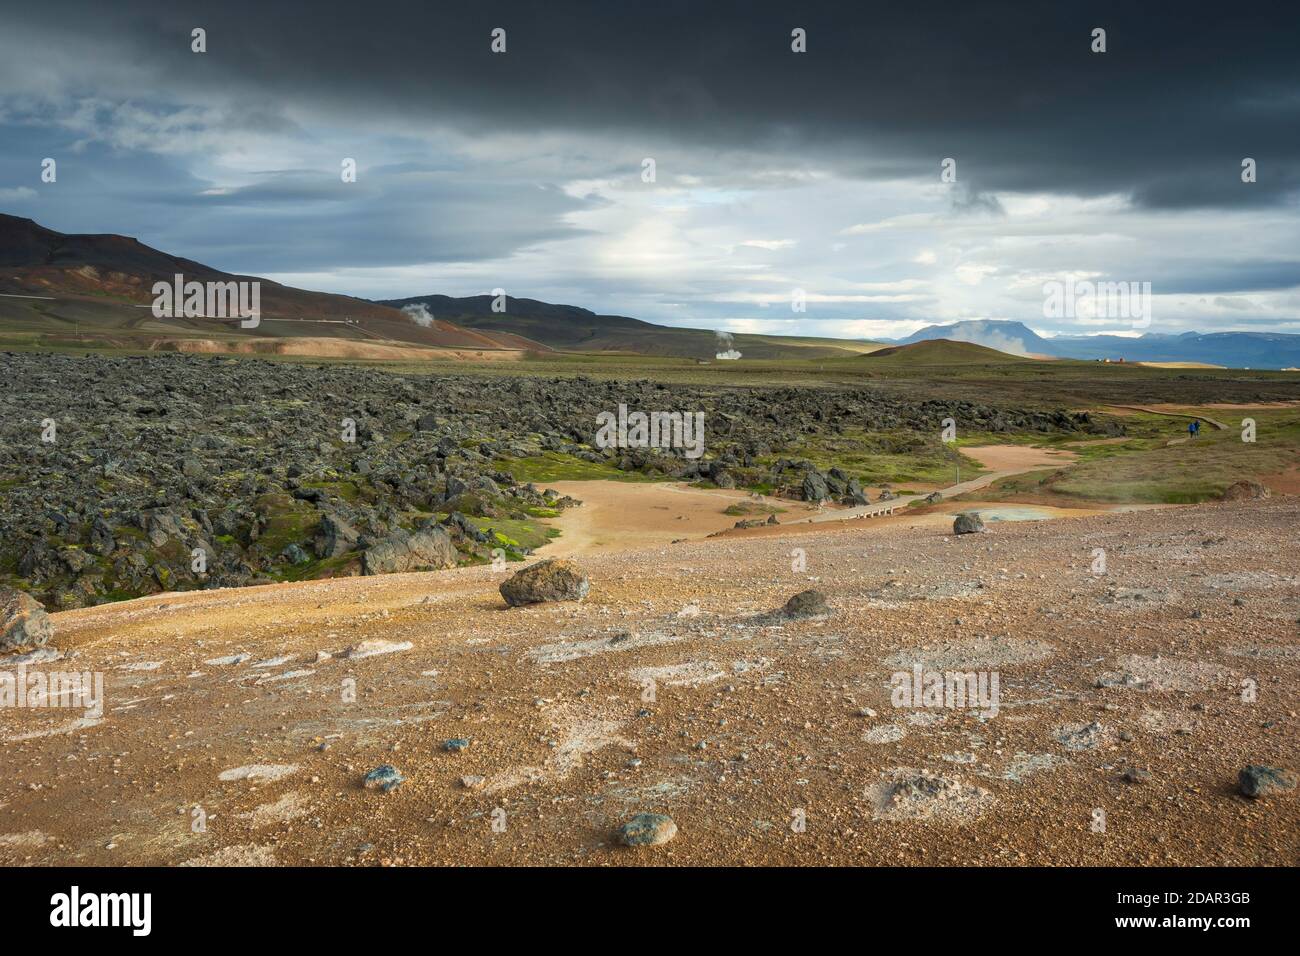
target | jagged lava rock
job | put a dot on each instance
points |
(1255, 781)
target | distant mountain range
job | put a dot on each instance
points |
(1231, 349)
(100, 284)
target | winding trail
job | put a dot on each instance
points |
(1219, 426)
(621, 516)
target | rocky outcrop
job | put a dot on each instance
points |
(336, 537)
(23, 622)
(425, 550)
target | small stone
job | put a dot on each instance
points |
(648, 829)
(866, 712)
(1135, 775)
(1256, 781)
(455, 745)
(472, 782)
(384, 778)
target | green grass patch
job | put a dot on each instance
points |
(319, 568)
(876, 458)
(288, 521)
(512, 533)
(347, 490)
(743, 509)
(556, 466)
(1146, 469)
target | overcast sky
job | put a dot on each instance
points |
(774, 170)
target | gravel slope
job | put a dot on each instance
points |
(753, 725)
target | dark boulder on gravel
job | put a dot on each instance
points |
(968, 522)
(806, 605)
(1256, 781)
(647, 829)
(552, 580)
(23, 622)
(384, 778)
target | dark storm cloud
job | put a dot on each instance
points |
(1215, 276)
(287, 220)
(818, 171)
(1011, 90)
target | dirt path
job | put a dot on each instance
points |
(1151, 410)
(622, 516)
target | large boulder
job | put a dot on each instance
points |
(23, 622)
(423, 550)
(854, 493)
(814, 487)
(1255, 781)
(804, 606)
(162, 525)
(968, 522)
(551, 580)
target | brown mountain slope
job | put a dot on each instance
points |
(121, 271)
